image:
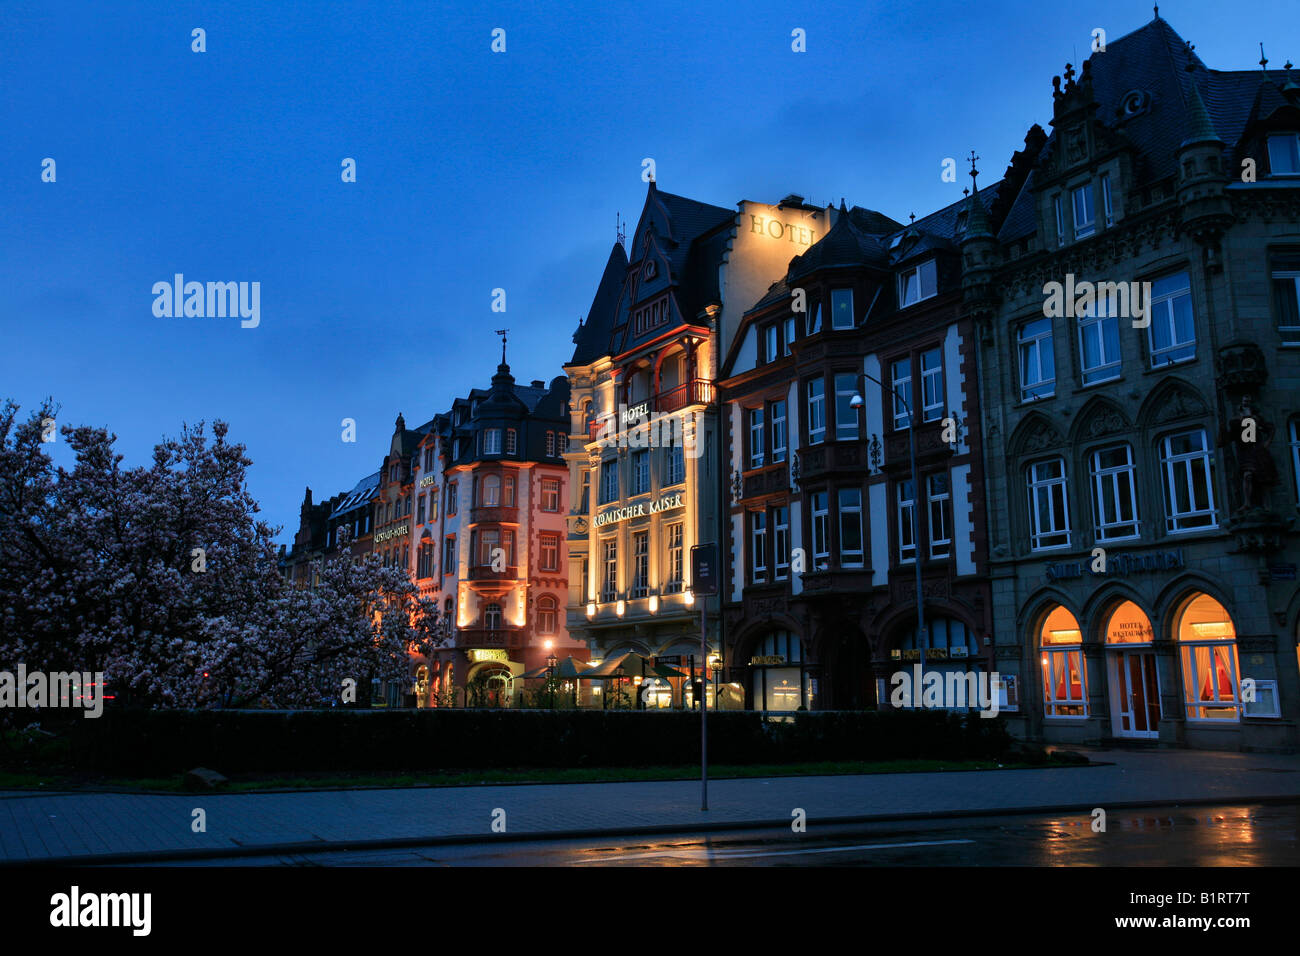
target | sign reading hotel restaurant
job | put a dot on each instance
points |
(614, 515)
(477, 655)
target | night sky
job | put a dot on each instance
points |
(475, 170)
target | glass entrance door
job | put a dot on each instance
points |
(1136, 694)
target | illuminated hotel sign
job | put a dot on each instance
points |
(632, 415)
(392, 533)
(776, 229)
(487, 654)
(428, 480)
(614, 515)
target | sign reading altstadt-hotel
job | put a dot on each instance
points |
(666, 503)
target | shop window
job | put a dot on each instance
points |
(952, 652)
(1207, 643)
(1061, 655)
(1128, 624)
(778, 682)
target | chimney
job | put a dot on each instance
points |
(538, 383)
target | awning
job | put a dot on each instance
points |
(569, 668)
(632, 664)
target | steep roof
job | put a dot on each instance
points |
(592, 337)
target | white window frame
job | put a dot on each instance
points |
(641, 471)
(1116, 478)
(932, 397)
(771, 343)
(1055, 657)
(1030, 349)
(674, 535)
(787, 344)
(1295, 456)
(674, 465)
(819, 503)
(1058, 209)
(609, 579)
(1191, 676)
(511, 441)
(640, 564)
(1163, 308)
(1082, 211)
(1055, 490)
(1107, 203)
(905, 496)
(1096, 321)
(846, 416)
(492, 441)
(901, 384)
(780, 431)
(1294, 139)
(609, 488)
(1290, 333)
(550, 485)
(1178, 470)
(758, 546)
(939, 505)
(816, 410)
(914, 282)
(549, 544)
(756, 437)
(781, 542)
(855, 558)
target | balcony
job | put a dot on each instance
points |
(929, 444)
(495, 514)
(484, 572)
(771, 480)
(491, 637)
(817, 461)
(695, 392)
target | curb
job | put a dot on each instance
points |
(277, 849)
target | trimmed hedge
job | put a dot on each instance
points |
(153, 742)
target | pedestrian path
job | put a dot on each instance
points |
(79, 827)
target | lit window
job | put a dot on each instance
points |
(1172, 332)
(1114, 494)
(675, 565)
(841, 308)
(917, 283)
(1065, 685)
(906, 521)
(851, 554)
(846, 416)
(1188, 482)
(938, 496)
(1037, 360)
(1085, 221)
(931, 385)
(1284, 154)
(816, 411)
(640, 564)
(1049, 511)
(902, 393)
(1207, 641)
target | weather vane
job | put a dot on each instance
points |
(502, 333)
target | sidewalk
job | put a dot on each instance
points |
(93, 827)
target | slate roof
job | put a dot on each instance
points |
(359, 496)
(591, 340)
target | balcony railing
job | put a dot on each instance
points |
(484, 572)
(695, 392)
(491, 637)
(495, 514)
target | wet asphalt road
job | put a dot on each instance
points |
(1229, 835)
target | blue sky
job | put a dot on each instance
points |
(475, 171)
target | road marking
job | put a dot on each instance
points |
(705, 853)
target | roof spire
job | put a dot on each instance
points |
(502, 333)
(973, 171)
(1263, 60)
(1157, 6)
(620, 230)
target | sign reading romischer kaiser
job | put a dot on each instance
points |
(666, 503)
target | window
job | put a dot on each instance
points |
(1114, 495)
(508, 495)
(1284, 154)
(674, 538)
(419, 511)
(551, 494)
(1107, 205)
(906, 521)
(781, 541)
(1189, 482)
(489, 543)
(492, 441)
(939, 497)
(901, 372)
(917, 283)
(1060, 219)
(426, 559)
(546, 614)
(640, 472)
(451, 498)
(609, 481)
(1049, 512)
(511, 441)
(1286, 297)
(1064, 676)
(1037, 360)
(778, 431)
(1085, 222)
(758, 546)
(550, 552)
(609, 585)
(550, 444)
(1207, 641)
(433, 504)
(931, 385)
(1172, 332)
(846, 416)
(772, 343)
(756, 438)
(449, 555)
(1099, 340)
(821, 525)
(492, 617)
(788, 344)
(841, 308)
(674, 465)
(562, 442)
(491, 491)
(816, 411)
(815, 319)
(641, 564)
(1295, 456)
(851, 554)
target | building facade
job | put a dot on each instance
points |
(1140, 371)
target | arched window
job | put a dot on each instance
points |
(1065, 688)
(1208, 644)
(546, 614)
(492, 617)
(491, 491)
(778, 682)
(1128, 624)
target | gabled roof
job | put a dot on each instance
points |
(591, 340)
(850, 242)
(361, 494)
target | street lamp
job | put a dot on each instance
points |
(550, 676)
(856, 402)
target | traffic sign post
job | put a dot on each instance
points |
(704, 581)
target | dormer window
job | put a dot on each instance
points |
(917, 283)
(1284, 154)
(841, 308)
(492, 441)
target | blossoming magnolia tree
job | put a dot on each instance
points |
(163, 577)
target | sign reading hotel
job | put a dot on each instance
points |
(392, 533)
(614, 515)
(776, 229)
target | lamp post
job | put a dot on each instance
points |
(550, 673)
(856, 402)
